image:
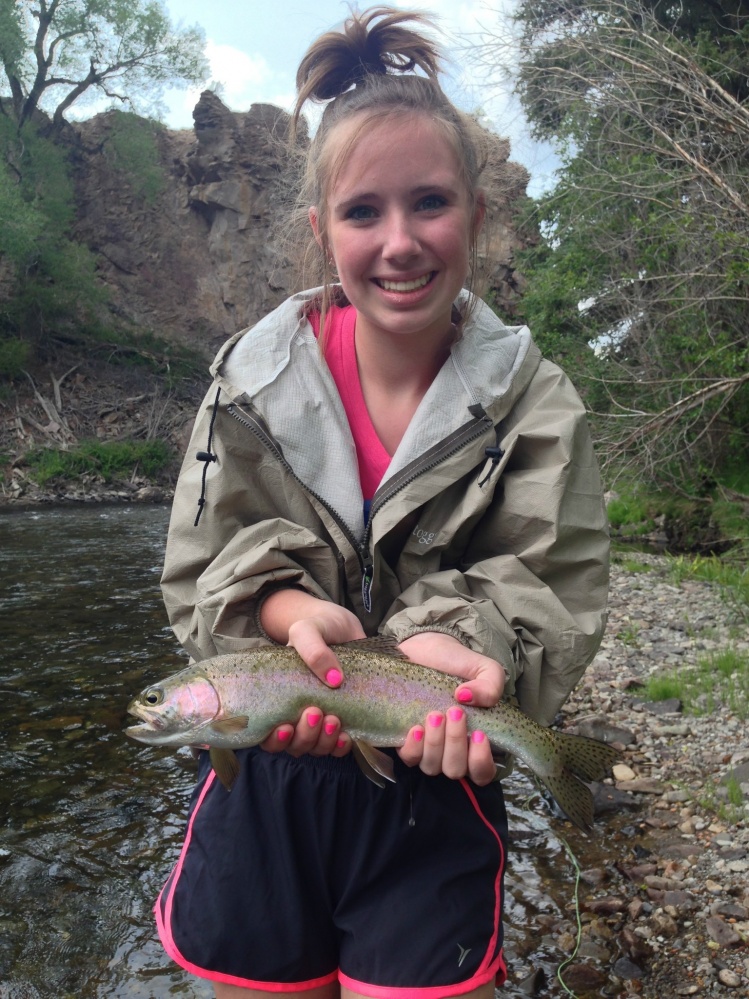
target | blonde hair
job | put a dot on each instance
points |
(368, 69)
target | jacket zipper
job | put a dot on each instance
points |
(464, 435)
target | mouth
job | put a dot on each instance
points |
(416, 284)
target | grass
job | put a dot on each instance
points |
(719, 679)
(109, 459)
(731, 577)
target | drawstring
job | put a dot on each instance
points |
(495, 453)
(207, 457)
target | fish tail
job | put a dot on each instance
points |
(573, 796)
(581, 759)
(588, 759)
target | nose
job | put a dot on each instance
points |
(401, 240)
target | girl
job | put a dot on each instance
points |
(378, 455)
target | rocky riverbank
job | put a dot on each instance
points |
(666, 911)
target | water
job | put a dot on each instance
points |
(90, 822)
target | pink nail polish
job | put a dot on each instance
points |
(334, 677)
(330, 728)
(283, 734)
(418, 734)
(464, 696)
(477, 736)
(455, 714)
(313, 719)
(435, 720)
(341, 743)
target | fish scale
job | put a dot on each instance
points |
(236, 700)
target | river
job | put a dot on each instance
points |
(91, 823)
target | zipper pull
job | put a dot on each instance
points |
(366, 582)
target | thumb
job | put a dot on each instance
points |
(305, 636)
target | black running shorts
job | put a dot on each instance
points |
(307, 873)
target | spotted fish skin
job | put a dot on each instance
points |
(235, 701)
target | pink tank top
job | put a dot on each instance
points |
(340, 353)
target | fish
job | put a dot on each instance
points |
(234, 701)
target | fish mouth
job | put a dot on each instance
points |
(144, 732)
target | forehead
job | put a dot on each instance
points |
(395, 152)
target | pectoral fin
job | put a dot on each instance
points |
(226, 765)
(235, 723)
(375, 764)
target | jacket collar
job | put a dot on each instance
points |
(276, 367)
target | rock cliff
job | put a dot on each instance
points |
(203, 258)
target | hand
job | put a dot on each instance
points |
(442, 745)
(310, 625)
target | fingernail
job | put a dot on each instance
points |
(418, 734)
(464, 695)
(341, 743)
(334, 677)
(477, 736)
(283, 734)
(435, 720)
(330, 728)
(312, 720)
(455, 714)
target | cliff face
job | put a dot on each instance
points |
(202, 259)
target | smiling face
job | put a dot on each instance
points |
(400, 223)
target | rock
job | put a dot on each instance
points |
(621, 772)
(583, 978)
(729, 978)
(604, 731)
(722, 932)
(627, 970)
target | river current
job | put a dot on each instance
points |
(91, 822)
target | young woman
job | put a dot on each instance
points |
(378, 455)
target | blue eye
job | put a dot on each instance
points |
(432, 202)
(360, 213)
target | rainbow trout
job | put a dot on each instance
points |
(234, 701)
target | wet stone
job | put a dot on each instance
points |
(583, 978)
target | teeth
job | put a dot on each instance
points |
(406, 285)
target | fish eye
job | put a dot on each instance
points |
(153, 696)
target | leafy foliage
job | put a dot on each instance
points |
(645, 250)
(132, 148)
(55, 52)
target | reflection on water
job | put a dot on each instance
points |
(90, 822)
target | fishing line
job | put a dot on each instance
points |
(576, 948)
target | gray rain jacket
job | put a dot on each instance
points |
(489, 524)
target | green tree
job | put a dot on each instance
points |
(53, 52)
(645, 255)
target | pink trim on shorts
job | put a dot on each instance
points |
(164, 927)
(490, 968)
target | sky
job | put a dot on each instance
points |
(255, 46)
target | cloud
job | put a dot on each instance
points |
(243, 79)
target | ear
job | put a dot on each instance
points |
(479, 212)
(315, 223)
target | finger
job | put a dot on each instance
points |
(306, 638)
(306, 732)
(455, 754)
(327, 736)
(481, 766)
(485, 682)
(343, 744)
(413, 748)
(279, 739)
(434, 744)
